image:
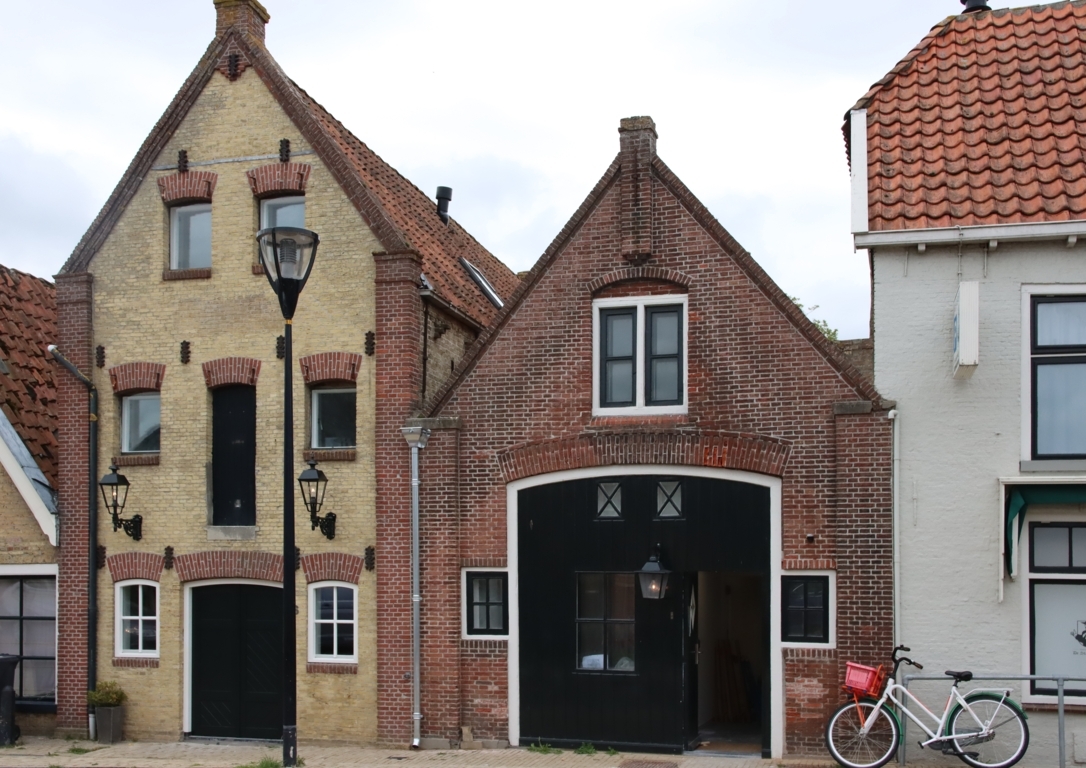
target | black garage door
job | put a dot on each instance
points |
(237, 661)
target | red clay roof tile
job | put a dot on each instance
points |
(28, 324)
(983, 122)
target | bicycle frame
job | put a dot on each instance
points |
(934, 736)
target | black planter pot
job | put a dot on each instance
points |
(110, 724)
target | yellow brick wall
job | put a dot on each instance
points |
(140, 317)
(447, 340)
(21, 538)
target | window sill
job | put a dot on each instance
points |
(329, 454)
(135, 662)
(187, 274)
(484, 641)
(626, 419)
(1053, 465)
(137, 460)
(331, 668)
(231, 532)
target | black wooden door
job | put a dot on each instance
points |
(567, 694)
(233, 456)
(691, 653)
(237, 642)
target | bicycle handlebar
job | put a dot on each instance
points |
(899, 659)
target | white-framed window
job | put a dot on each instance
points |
(333, 418)
(190, 236)
(283, 212)
(484, 608)
(141, 423)
(333, 611)
(639, 355)
(808, 609)
(136, 612)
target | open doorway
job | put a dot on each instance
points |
(733, 664)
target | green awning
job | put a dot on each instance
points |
(1021, 497)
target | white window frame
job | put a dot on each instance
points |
(832, 597)
(1027, 634)
(290, 199)
(1028, 292)
(639, 408)
(315, 392)
(319, 658)
(174, 211)
(125, 400)
(119, 650)
(464, 602)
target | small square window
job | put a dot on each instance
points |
(332, 622)
(1057, 547)
(137, 619)
(282, 212)
(805, 608)
(669, 498)
(333, 418)
(488, 602)
(605, 622)
(609, 500)
(190, 236)
(141, 423)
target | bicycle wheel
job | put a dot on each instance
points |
(850, 747)
(1006, 740)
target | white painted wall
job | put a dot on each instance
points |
(958, 436)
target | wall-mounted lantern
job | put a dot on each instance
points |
(653, 576)
(313, 484)
(115, 493)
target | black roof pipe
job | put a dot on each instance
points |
(444, 196)
(92, 517)
(975, 6)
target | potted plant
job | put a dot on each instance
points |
(107, 699)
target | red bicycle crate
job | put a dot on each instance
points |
(863, 681)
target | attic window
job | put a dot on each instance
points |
(483, 283)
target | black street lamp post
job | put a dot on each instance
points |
(287, 254)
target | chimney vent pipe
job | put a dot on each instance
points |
(975, 6)
(444, 196)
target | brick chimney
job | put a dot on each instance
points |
(637, 150)
(248, 16)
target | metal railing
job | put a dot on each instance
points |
(1060, 684)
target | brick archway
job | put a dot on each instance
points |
(265, 566)
(660, 274)
(231, 370)
(135, 565)
(136, 377)
(720, 450)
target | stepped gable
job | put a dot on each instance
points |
(983, 122)
(400, 214)
(28, 324)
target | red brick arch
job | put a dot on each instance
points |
(330, 366)
(279, 179)
(188, 187)
(231, 370)
(266, 566)
(332, 566)
(135, 565)
(725, 450)
(136, 377)
(639, 273)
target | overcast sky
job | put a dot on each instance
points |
(515, 105)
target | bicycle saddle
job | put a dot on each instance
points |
(959, 677)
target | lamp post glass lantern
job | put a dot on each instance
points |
(115, 493)
(313, 484)
(653, 576)
(287, 255)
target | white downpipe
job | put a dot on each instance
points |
(895, 505)
(416, 438)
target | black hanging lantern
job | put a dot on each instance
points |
(653, 576)
(313, 484)
(287, 255)
(115, 493)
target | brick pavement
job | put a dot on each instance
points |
(38, 752)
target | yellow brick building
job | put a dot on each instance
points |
(164, 306)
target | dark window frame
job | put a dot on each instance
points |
(1035, 363)
(315, 393)
(605, 313)
(34, 703)
(471, 603)
(1051, 349)
(650, 310)
(825, 610)
(605, 621)
(1070, 548)
(1035, 685)
(1051, 354)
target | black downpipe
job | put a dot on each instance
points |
(92, 517)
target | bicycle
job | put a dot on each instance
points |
(984, 728)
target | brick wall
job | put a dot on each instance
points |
(761, 393)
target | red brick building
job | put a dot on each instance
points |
(647, 384)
